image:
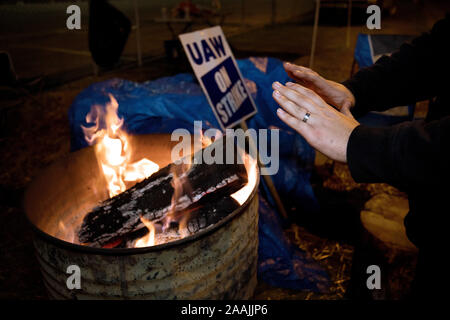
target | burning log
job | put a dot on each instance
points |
(210, 213)
(199, 218)
(155, 197)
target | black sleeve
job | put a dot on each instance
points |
(407, 156)
(414, 73)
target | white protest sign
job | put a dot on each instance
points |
(219, 76)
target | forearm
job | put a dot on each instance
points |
(409, 155)
(411, 74)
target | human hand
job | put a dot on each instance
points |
(326, 129)
(332, 92)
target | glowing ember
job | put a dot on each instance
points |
(113, 150)
(149, 239)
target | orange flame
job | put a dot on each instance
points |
(242, 194)
(113, 150)
(179, 184)
(149, 239)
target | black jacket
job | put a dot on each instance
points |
(413, 156)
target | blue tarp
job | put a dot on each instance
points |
(165, 104)
(363, 52)
(370, 47)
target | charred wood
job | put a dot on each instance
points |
(153, 197)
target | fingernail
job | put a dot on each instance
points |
(289, 84)
(276, 84)
(277, 93)
(279, 111)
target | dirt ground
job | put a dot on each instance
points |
(35, 132)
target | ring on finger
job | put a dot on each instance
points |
(306, 117)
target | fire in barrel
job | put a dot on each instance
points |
(171, 203)
(141, 226)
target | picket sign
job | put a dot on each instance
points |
(221, 80)
(219, 76)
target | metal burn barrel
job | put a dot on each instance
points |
(218, 262)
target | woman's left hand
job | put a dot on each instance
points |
(326, 129)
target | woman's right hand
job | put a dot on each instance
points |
(332, 92)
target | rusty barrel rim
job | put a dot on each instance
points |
(131, 251)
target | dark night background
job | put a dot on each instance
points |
(53, 64)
